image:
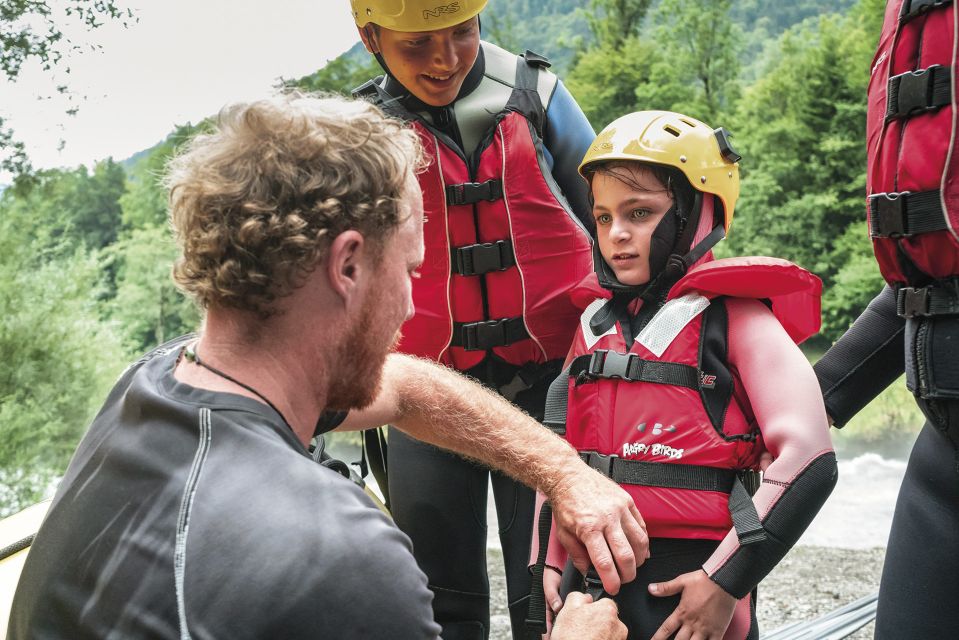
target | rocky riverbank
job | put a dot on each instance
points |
(809, 582)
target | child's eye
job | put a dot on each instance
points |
(640, 214)
(604, 218)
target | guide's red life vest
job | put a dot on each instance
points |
(672, 423)
(913, 163)
(548, 246)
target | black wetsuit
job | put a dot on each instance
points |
(439, 499)
(920, 577)
(189, 513)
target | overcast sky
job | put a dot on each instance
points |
(181, 62)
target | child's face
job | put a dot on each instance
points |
(432, 65)
(626, 215)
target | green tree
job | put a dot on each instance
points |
(148, 309)
(699, 61)
(59, 357)
(34, 30)
(613, 22)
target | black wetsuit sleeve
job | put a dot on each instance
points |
(567, 136)
(864, 361)
(784, 523)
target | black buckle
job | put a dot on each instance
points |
(915, 8)
(889, 210)
(484, 335)
(601, 462)
(477, 259)
(912, 92)
(912, 302)
(610, 364)
(473, 192)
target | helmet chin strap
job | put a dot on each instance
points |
(675, 267)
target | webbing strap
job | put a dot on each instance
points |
(916, 92)
(473, 192)
(745, 518)
(915, 8)
(927, 301)
(480, 336)
(656, 474)
(536, 614)
(895, 215)
(557, 400)
(477, 259)
(603, 363)
(749, 529)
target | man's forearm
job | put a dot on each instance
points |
(448, 410)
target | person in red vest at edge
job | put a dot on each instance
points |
(913, 324)
(684, 374)
(507, 235)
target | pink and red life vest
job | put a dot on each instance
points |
(913, 164)
(675, 400)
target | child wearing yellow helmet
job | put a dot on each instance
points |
(683, 376)
(506, 236)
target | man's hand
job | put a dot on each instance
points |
(704, 610)
(583, 619)
(598, 523)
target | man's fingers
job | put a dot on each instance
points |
(635, 529)
(623, 554)
(669, 588)
(577, 599)
(603, 563)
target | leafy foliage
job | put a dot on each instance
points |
(34, 30)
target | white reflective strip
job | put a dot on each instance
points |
(670, 320)
(183, 519)
(584, 319)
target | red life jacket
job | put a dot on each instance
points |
(502, 245)
(913, 163)
(671, 400)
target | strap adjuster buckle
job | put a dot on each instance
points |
(477, 259)
(473, 192)
(889, 210)
(912, 302)
(484, 335)
(611, 364)
(914, 8)
(601, 462)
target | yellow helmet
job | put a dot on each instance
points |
(703, 154)
(414, 15)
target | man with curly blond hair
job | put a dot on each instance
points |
(193, 507)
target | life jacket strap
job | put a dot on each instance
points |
(932, 300)
(915, 8)
(473, 192)
(536, 612)
(749, 528)
(477, 259)
(916, 92)
(480, 336)
(603, 363)
(900, 215)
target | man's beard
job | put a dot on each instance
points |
(358, 371)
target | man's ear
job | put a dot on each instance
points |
(346, 264)
(368, 36)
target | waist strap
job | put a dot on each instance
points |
(749, 528)
(928, 301)
(477, 259)
(900, 215)
(603, 363)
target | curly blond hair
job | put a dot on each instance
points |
(254, 204)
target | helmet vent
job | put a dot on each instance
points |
(685, 121)
(671, 130)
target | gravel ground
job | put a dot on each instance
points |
(808, 583)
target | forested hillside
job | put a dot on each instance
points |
(85, 255)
